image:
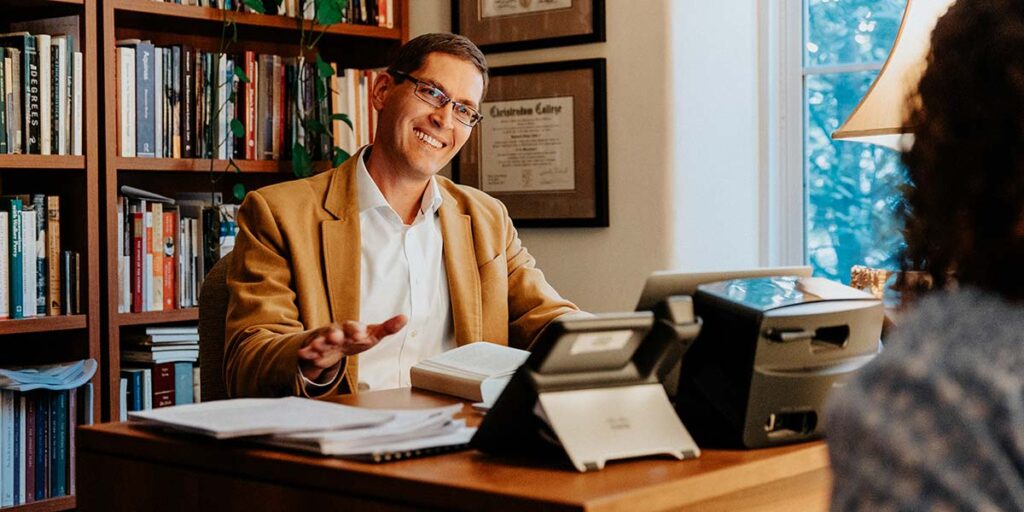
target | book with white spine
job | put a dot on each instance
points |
(29, 271)
(126, 79)
(76, 120)
(45, 93)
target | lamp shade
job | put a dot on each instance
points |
(880, 116)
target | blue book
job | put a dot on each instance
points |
(6, 448)
(134, 376)
(42, 459)
(145, 97)
(18, 498)
(182, 383)
(15, 274)
(58, 443)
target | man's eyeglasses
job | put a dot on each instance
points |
(436, 98)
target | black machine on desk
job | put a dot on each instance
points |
(770, 349)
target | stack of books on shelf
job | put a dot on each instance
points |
(362, 12)
(41, 88)
(158, 367)
(167, 246)
(39, 410)
(36, 276)
(178, 102)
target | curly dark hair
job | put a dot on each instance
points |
(964, 208)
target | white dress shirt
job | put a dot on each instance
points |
(401, 272)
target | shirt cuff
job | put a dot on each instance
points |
(313, 387)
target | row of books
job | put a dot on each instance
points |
(363, 12)
(37, 439)
(37, 277)
(159, 369)
(166, 246)
(40, 94)
(177, 102)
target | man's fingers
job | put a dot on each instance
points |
(388, 327)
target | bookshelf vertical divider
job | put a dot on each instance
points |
(168, 24)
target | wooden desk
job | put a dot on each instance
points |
(121, 467)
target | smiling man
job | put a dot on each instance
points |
(343, 281)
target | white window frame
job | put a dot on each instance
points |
(783, 191)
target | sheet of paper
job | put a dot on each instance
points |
(481, 358)
(225, 419)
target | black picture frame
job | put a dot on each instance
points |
(582, 23)
(586, 204)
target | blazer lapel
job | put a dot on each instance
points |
(460, 265)
(340, 240)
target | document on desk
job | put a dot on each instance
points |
(410, 433)
(226, 419)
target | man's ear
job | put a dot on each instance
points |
(382, 87)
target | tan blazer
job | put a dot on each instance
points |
(295, 268)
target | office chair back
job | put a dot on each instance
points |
(213, 308)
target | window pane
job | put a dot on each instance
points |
(850, 31)
(852, 189)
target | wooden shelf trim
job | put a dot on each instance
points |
(43, 324)
(158, 317)
(252, 19)
(203, 165)
(75, 163)
(47, 505)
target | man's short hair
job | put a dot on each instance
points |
(412, 54)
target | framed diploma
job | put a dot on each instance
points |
(508, 25)
(542, 145)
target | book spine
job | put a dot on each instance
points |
(158, 103)
(175, 102)
(42, 279)
(56, 86)
(170, 257)
(66, 286)
(33, 124)
(250, 106)
(16, 293)
(76, 280)
(4, 149)
(42, 445)
(22, 411)
(157, 251)
(58, 443)
(45, 93)
(5, 265)
(188, 101)
(30, 447)
(182, 383)
(72, 399)
(67, 79)
(29, 264)
(145, 94)
(53, 255)
(7, 446)
(126, 79)
(138, 230)
(163, 385)
(76, 147)
(444, 383)
(147, 389)
(18, 118)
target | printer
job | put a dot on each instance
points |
(769, 352)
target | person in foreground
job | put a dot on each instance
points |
(937, 421)
(343, 281)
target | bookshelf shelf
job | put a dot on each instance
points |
(43, 324)
(278, 23)
(158, 317)
(49, 505)
(42, 3)
(203, 165)
(73, 163)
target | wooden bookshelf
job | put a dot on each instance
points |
(48, 505)
(166, 24)
(37, 162)
(75, 179)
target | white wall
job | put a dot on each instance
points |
(682, 155)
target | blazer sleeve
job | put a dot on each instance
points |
(532, 302)
(263, 332)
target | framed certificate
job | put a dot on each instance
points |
(508, 25)
(542, 145)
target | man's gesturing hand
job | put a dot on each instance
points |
(328, 344)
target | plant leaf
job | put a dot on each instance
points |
(256, 5)
(329, 12)
(315, 126)
(237, 129)
(240, 73)
(321, 89)
(301, 166)
(323, 68)
(238, 191)
(343, 117)
(339, 157)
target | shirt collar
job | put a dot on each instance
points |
(371, 198)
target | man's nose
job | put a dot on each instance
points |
(442, 117)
